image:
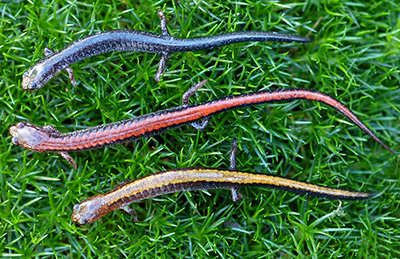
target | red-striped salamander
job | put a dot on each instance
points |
(47, 138)
(189, 179)
(128, 40)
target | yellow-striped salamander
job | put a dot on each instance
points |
(189, 179)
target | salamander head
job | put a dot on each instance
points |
(89, 210)
(28, 135)
(34, 78)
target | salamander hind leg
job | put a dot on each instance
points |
(236, 195)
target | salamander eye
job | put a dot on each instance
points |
(47, 51)
(20, 125)
(34, 86)
(15, 141)
(77, 207)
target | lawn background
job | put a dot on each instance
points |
(355, 58)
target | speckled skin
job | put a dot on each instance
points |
(128, 40)
(47, 138)
(189, 179)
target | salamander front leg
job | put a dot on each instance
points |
(130, 211)
(161, 66)
(163, 23)
(236, 195)
(191, 91)
(50, 129)
(70, 160)
(71, 76)
(200, 126)
(48, 52)
(232, 158)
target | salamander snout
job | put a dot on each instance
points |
(31, 79)
(78, 215)
(27, 135)
(88, 211)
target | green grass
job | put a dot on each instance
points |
(355, 58)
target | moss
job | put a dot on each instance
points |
(355, 58)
